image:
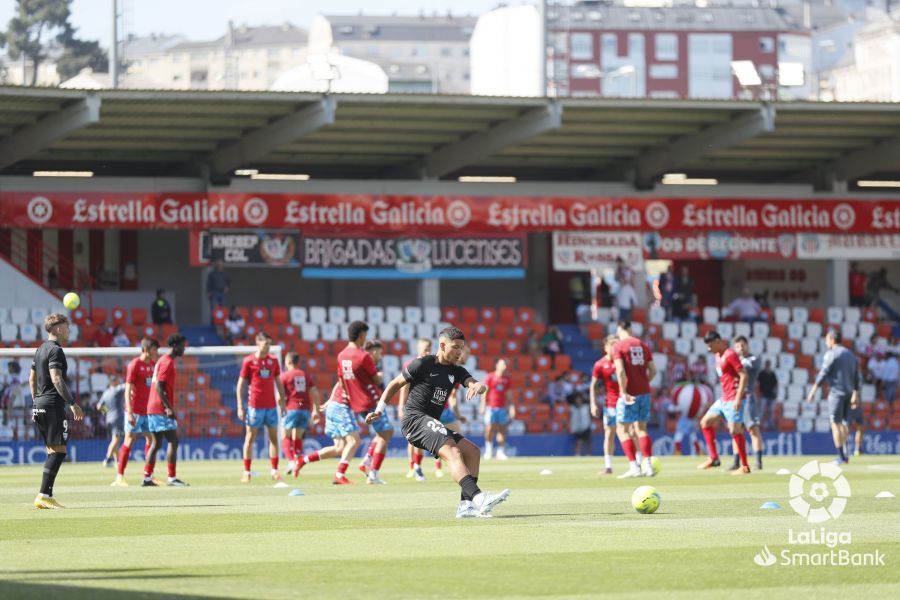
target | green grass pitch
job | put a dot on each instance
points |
(571, 534)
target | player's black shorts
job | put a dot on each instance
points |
(52, 424)
(584, 436)
(427, 432)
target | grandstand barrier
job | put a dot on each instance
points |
(229, 448)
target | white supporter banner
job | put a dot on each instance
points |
(586, 251)
(853, 247)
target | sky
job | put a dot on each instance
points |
(208, 19)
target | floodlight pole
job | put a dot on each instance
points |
(114, 47)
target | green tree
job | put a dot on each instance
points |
(36, 22)
(79, 54)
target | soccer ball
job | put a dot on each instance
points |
(645, 499)
(656, 464)
(71, 301)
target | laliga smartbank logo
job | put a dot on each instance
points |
(818, 493)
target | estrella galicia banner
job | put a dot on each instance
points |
(251, 248)
(503, 257)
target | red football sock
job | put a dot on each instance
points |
(646, 446)
(313, 457)
(148, 469)
(628, 448)
(287, 446)
(171, 467)
(146, 448)
(709, 434)
(124, 453)
(437, 464)
(741, 442)
(342, 467)
(697, 449)
(417, 459)
(377, 459)
(678, 448)
(247, 462)
(273, 460)
(412, 464)
(371, 451)
(298, 448)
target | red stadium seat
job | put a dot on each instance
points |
(639, 315)
(119, 316)
(596, 331)
(288, 331)
(536, 427)
(488, 314)
(562, 362)
(778, 330)
(870, 315)
(512, 347)
(475, 346)
(280, 315)
(469, 315)
(543, 362)
(98, 316)
(493, 347)
(138, 316)
(817, 315)
(251, 330)
(519, 331)
(259, 315)
(219, 315)
(526, 315)
(398, 347)
(150, 331)
(884, 330)
(524, 363)
(507, 315)
(166, 330)
(79, 316)
(321, 347)
(480, 330)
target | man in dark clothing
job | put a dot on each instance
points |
(768, 391)
(161, 310)
(217, 285)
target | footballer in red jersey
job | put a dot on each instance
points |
(161, 412)
(138, 381)
(497, 411)
(604, 374)
(262, 371)
(635, 369)
(301, 407)
(733, 379)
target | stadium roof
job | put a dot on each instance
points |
(171, 133)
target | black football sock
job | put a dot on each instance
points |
(51, 468)
(469, 487)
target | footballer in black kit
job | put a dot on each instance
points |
(51, 397)
(431, 379)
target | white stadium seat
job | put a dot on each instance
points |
(760, 330)
(337, 314)
(808, 409)
(682, 347)
(99, 382)
(799, 377)
(866, 330)
(318, 314)
(796, 331)
(18, 315)
(4, 315)
(637, 329)
(298, 315)
(795, 393)
(9, 332)
(28, 332)
(604, 315)
(74, 332)
(773, 345)
(868, 393)
(786, 360)
(309, 332)
(742, 329)
(782, 315)
(849, 331)
(757, 345)
(689, 329)
(813, 330)
(790, 410)
(656, 314)
(805, 425)
(386, 331)
(698, 346)
(809, 347)
(726, 330)
(38, 315)
(799, 314)
(425, 330)
(391, 363)
(710, 315)
(375, 314)
(823, 425)
(835, 315)
(670, 331)
(432, 314)
(356, 313)
(394, 314)
(412, 314)
(330, 332)
(852, 315)
(406, 331)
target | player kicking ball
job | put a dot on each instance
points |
(263, 372)
(733, 379)
(431, 380)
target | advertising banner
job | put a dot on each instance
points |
(443, 215)
(503, 257)
(252, 248)
(853, 247)
(677, 245)
(586, 251)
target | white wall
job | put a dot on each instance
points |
(19, 290)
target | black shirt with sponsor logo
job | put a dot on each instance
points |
(430, 384)
(49, 356)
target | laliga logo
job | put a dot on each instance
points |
(40, 210)
(657, 215)
(822, 478)
(844, 216)
(459, 214)
(256, 211)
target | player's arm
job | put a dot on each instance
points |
(623, 381)
(239, 394)
(282, 397)
(401, 402)
(827, 364)
(475, 387)
(129, 389)
(164, 398)
(59, 382)
(651, 370)
(482, 405)
(595, 381)
(453, 402)
(316, 398)
(396, 384)
(32, 383)
(741, 389)
(857, 385)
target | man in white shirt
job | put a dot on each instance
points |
(890, 374)
(626, 299)
(745, 308)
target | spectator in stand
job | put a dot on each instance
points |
(890, 374)
(875, 368)
(551, 343)
(857, 281)
(700, 371)
(580, 425)
(120, 339)
(684, 299)
(533, 344)
(161, 310)
(665, 290)
(217, 285)
(768, 392)
(578, 293)
(745, 307)
(624, 274)
(104, 338)
(557, 390)
(626, 300)
(878, 282)
(234, 325)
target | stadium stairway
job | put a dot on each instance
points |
(577, 345)
(201, 335)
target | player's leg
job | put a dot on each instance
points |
(464, 460)
(171, 436)
(736, 429)
(124, 455)
(53, 426)
(351, 443)
(249, 441)
(382, 438)
(626, 415)
(150, 461)
(273, 453)
(609, 447)
(756, 441)
(838, 407)
(56, 454)
(112, 450)
(860, 433)
(708, 425)
(501, 435)
(488, 435)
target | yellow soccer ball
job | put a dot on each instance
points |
(71, 301)
(645, 500)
